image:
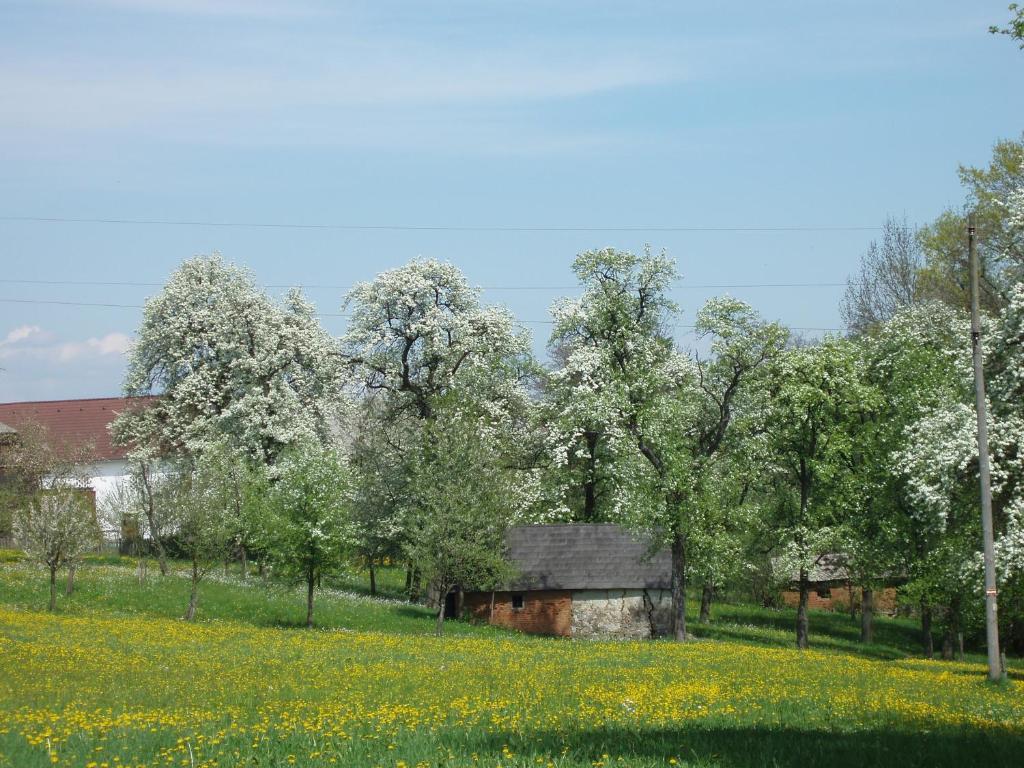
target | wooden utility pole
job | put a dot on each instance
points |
(995, 671)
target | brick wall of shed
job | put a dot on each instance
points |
(543, 612)
(839, 600)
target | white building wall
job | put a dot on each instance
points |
(104, 477)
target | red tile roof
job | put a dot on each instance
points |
(75, 422)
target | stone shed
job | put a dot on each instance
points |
(580, 580)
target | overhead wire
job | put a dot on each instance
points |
(428, 228)
(322, 286)
(59, 302)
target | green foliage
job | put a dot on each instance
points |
(1000, 244)
(461, 514)
(1015, 27)
(305, 526)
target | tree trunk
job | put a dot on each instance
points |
(705, 602)
(373, 578)
(926, 630)
(69, 588)
(310, 582)
(947, 645)
(161, 553)
(801, 611)
(960, 646)
(193, 598)
(589, 502)
(867, 615)
(490, 612)
(53, 587)
(245, 562)
(408, 580)
(439, 626)
(852, 606)
(590, 484)
(417, 586)
(679, 587)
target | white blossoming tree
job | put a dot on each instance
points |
(228, 364)
(419, 331)
(668, 416)
(418, 337)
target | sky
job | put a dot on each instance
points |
(757, 143)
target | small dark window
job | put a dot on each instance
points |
(517, 602)
(824, 593)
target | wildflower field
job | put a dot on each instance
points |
(89, 686)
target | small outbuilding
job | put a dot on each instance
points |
(833, 588)
(580, 580)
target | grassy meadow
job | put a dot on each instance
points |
(114, 679)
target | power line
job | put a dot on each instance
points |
(326, 314)
(321, 286)
(424, 228)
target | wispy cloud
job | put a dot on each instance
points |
(48, 95)
(21, 333)
(111, 344)
(30, 342)
(238, 8)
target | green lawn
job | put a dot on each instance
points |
(115, 590)
(115, 679)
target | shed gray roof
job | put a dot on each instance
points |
(6, 430)
(585, 556)
(831, 566)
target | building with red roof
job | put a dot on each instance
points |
(80, 424)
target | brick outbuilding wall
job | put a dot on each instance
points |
(543, 612)
(838, 599)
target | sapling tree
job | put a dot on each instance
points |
(201, 492)
(54, 515)
(56, 525)
(463, 492)
(306, 525)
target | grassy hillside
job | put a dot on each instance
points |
(114, 678)
(114, 589)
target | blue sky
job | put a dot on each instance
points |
(469, 114)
